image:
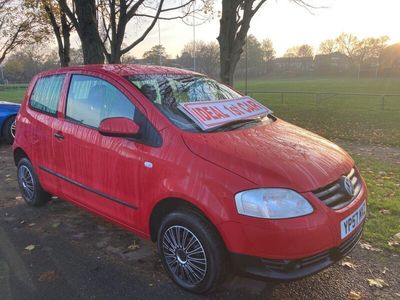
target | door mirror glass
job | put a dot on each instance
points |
(119, 127)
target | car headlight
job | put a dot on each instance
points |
(272, 203)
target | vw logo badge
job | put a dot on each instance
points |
(348, 186)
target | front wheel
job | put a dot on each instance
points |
(191, 251)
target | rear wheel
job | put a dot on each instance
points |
(191, 251)
(9, 130)
(29, 184)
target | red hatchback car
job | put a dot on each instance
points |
(210, 175)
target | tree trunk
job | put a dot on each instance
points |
(62, 37)
(65, 58)
(234, 25)
(88, 32)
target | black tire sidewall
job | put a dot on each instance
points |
(209, 240)
(8, 138)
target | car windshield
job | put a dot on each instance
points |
(168, 91)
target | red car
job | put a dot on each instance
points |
(210, 175)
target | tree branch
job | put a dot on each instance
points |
(141, 38)
(71, 15)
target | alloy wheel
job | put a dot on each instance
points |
(184, 255)
(12, 129)
(26, 182)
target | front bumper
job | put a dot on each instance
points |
(294, 269)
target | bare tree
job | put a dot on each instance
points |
(83, 15)
(305, 51)
(62, 28)
(50, 16)
(300, 51)
(360, 51)
(328, 47)
(268, 50)
(207, 57)
(116, 15)
(348, 44)
(102, 24)
(370, 49)
(236, 16)
(17, 27)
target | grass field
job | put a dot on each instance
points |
(12, 94)
(383, 181)
(353, 118)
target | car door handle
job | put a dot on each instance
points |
(59, 136)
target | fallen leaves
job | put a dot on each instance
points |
(48, 276)
(369, 247)
(385, 211)
(56, 224)
(134, 246)
(395, 241)
(348, 264)
(396, 237)
(377, 282)
(353, 295)
(30, 247)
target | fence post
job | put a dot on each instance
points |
(383, 102)
(316, 98)
(281, 98)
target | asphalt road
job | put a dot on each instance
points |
(75, 255)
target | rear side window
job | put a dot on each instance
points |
(46, 93)
(91, 99)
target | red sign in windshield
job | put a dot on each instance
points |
(210, 114)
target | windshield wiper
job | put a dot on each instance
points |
(235, 124)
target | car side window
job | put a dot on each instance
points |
(46, 93)
(91, 100)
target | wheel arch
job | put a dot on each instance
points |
(168, 205)
(19, 154)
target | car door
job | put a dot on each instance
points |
(100, 172)
(41, 114)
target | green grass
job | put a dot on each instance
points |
(12, 93)
(353, 118)
(345, 85)
(383, 181)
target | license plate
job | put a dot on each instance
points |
(348, 224)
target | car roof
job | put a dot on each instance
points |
(126, 70)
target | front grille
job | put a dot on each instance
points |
(335, 195)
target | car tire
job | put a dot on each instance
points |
(9, 130)
(191, 251)
(29, 184)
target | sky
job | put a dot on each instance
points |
(287, 24)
